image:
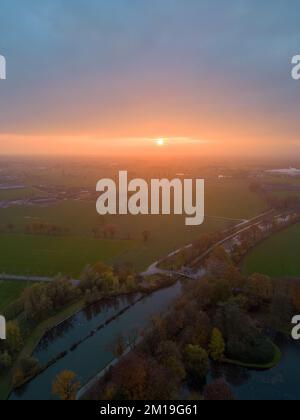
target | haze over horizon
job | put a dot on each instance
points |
(160, 78)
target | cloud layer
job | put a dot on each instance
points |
(202, 69)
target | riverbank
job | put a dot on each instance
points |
(33, 340)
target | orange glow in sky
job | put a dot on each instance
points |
(146, 79)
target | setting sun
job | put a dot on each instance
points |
(160, 142)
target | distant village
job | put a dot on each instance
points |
(46, 195)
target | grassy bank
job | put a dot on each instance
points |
(32, 341)
(260, 366)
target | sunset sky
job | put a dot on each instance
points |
(115, 76)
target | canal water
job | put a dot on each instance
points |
(74, 329)
(96, 352)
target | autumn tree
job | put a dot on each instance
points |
(203, 243)
(234, 277)
(217, 345)
(124, 270)
(281, 310)
(197, 362)
(260, 286)
(295, 294)
(131, 378)
(109, 283)
(169, 356)
(130, 283)
(100, 269)
(98, 280)
(41, 299)
(14, 339)
(146, 235)
(66, 386)
(5, 360)
(218, 262)
(199, 331)
(110, 230)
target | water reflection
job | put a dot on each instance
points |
(79, 326)
(234, 375)
(54, 334)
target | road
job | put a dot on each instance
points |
(34, 279)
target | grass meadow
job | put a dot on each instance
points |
(225, 202)
(278, 256)
(43, 255)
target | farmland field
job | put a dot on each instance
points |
(286, 194)
(231, 199)
(226, 202)
(16, 194)
(78, 216)
(278, 256)
(282, 179)
(43, 255)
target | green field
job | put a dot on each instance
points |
(282, 179)
(11, 291)
(22, 254)
(15, 194)
(286, 194)
(228, 198)
(42, 255)
(232, 198)
(278, 256)
(80, 217)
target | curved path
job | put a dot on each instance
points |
(36, 279)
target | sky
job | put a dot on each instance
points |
(99, 77)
